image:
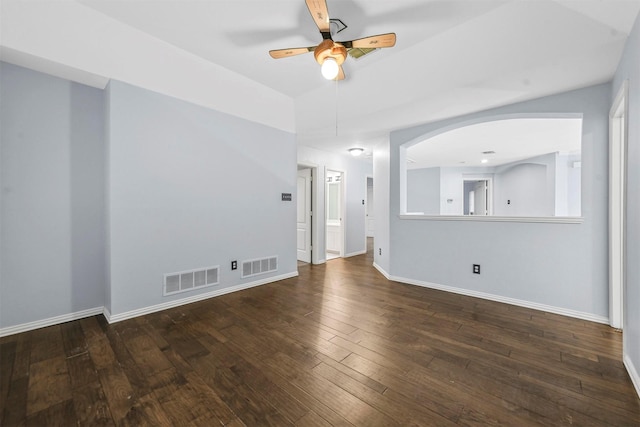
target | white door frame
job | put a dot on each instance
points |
(482, 177)
(366, 208)
(618, 137)
(304, 196)
(317, 217)
(343, 218)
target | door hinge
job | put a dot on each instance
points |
(311, 213)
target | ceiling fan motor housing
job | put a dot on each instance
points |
(329, 48)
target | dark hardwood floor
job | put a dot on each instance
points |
(339, 345)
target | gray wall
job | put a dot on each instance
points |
(189, 188)
(94, 215)
(558, 265)
(423, 191)
(382, 193)
(52, 172)
(530, 185)
(629, 68)
(522, 191)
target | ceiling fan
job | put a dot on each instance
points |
(330, 54)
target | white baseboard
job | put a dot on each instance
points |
(107, 314)
(30, 326)
(112, 318)
(498, 298)
(363, 252)
(633, 373)
(382, 271)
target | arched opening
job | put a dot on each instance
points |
(529, 166)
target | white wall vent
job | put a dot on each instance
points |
(254, 267)
(189, 280)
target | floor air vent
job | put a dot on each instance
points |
(193, 279)
(255, 267)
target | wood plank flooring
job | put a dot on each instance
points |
(337, 346)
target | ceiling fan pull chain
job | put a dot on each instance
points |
(336, 100)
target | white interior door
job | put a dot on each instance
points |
(304, 215)
(480, 198)
(370, 218)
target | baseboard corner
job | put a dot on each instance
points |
(382, 271)
(633, 372)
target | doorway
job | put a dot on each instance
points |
(369, 217)
(477, 197)
(617, 206)
(304, 214)
(334, 214)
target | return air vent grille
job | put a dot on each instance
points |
(189, 280)
(255, 267)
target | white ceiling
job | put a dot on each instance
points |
(498, 142)
(452, 57)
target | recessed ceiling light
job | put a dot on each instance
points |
(484, 161)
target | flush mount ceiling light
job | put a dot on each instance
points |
(355, 152)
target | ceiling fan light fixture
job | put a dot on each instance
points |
(337, 51)
(330, 68)
(356, 151)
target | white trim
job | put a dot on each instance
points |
(473, 218)
(355, 253)
(112, 318)
(30, 326)
(343, 208)
(107, 314)
(382, 271)
(366, 208)
(617, 201)
(488, 177)
(513, 301)
(633, 373)
(316, 181)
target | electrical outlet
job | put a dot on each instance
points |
(234, 265)
(476, 268)
(379, 251)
